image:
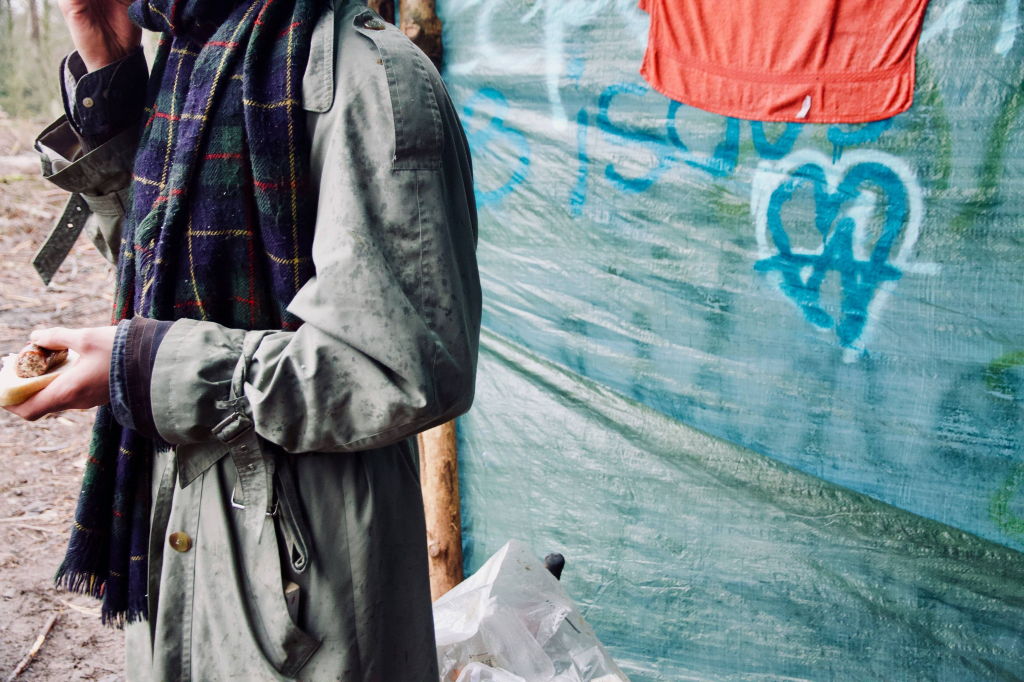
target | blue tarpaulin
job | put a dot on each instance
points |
(761, 383)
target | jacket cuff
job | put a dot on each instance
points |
(191, 373)
(118, 380)
(67, 164)
(140, 349)
(131, 370)
(101, 103)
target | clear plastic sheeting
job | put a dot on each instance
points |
(478, 672)
(513, 622)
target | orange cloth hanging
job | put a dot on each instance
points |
(805, 61)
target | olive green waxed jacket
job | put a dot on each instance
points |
(387, 349)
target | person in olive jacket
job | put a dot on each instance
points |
(288, 200)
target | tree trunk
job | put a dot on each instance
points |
(439, 480)
(419, 21)
(46, 22)
(33, 13)
(385, 8)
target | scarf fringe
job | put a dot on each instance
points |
(79, 582)
(94, 586)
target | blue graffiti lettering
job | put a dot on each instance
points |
(579, 193)
(480, 140)
(723, 161)
(720, 164)
(868, 133)
(651, 142)
(780, 147)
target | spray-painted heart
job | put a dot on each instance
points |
(843, 210)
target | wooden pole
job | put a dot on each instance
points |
(385, 8)
(439, 480)
(419, 21)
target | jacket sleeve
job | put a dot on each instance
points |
(388, 343)
(90, 150)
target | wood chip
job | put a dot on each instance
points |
(53, 448)
(36, 528)
(81, 609)
(26, 299)
(40, 640)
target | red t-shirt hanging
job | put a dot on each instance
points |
(810, 61)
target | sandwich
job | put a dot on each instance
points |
(26, 373)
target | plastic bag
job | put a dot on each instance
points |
(513, 622)
(478, 672)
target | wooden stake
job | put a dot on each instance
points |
(419, 21)
(385, 8)
(35, 647)
(439, 479)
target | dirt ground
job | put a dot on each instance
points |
(41, 463)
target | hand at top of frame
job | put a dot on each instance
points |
(85, 385)
(101, 30)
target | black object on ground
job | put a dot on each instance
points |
(555, 563)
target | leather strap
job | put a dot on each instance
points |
(62, 237)
(255, 469)
(290, 519)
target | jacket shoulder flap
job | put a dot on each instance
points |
(412, 82)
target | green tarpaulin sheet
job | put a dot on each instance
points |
(762, 384)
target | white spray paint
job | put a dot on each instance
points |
(1009, 28)
(806, 107)
(952, 18)
(556, 18)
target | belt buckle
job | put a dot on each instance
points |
(236, 505)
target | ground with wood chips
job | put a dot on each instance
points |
(41, 463)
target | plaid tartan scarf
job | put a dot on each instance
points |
(221, 229)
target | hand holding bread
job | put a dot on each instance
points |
(80, 381)
(26, 373)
